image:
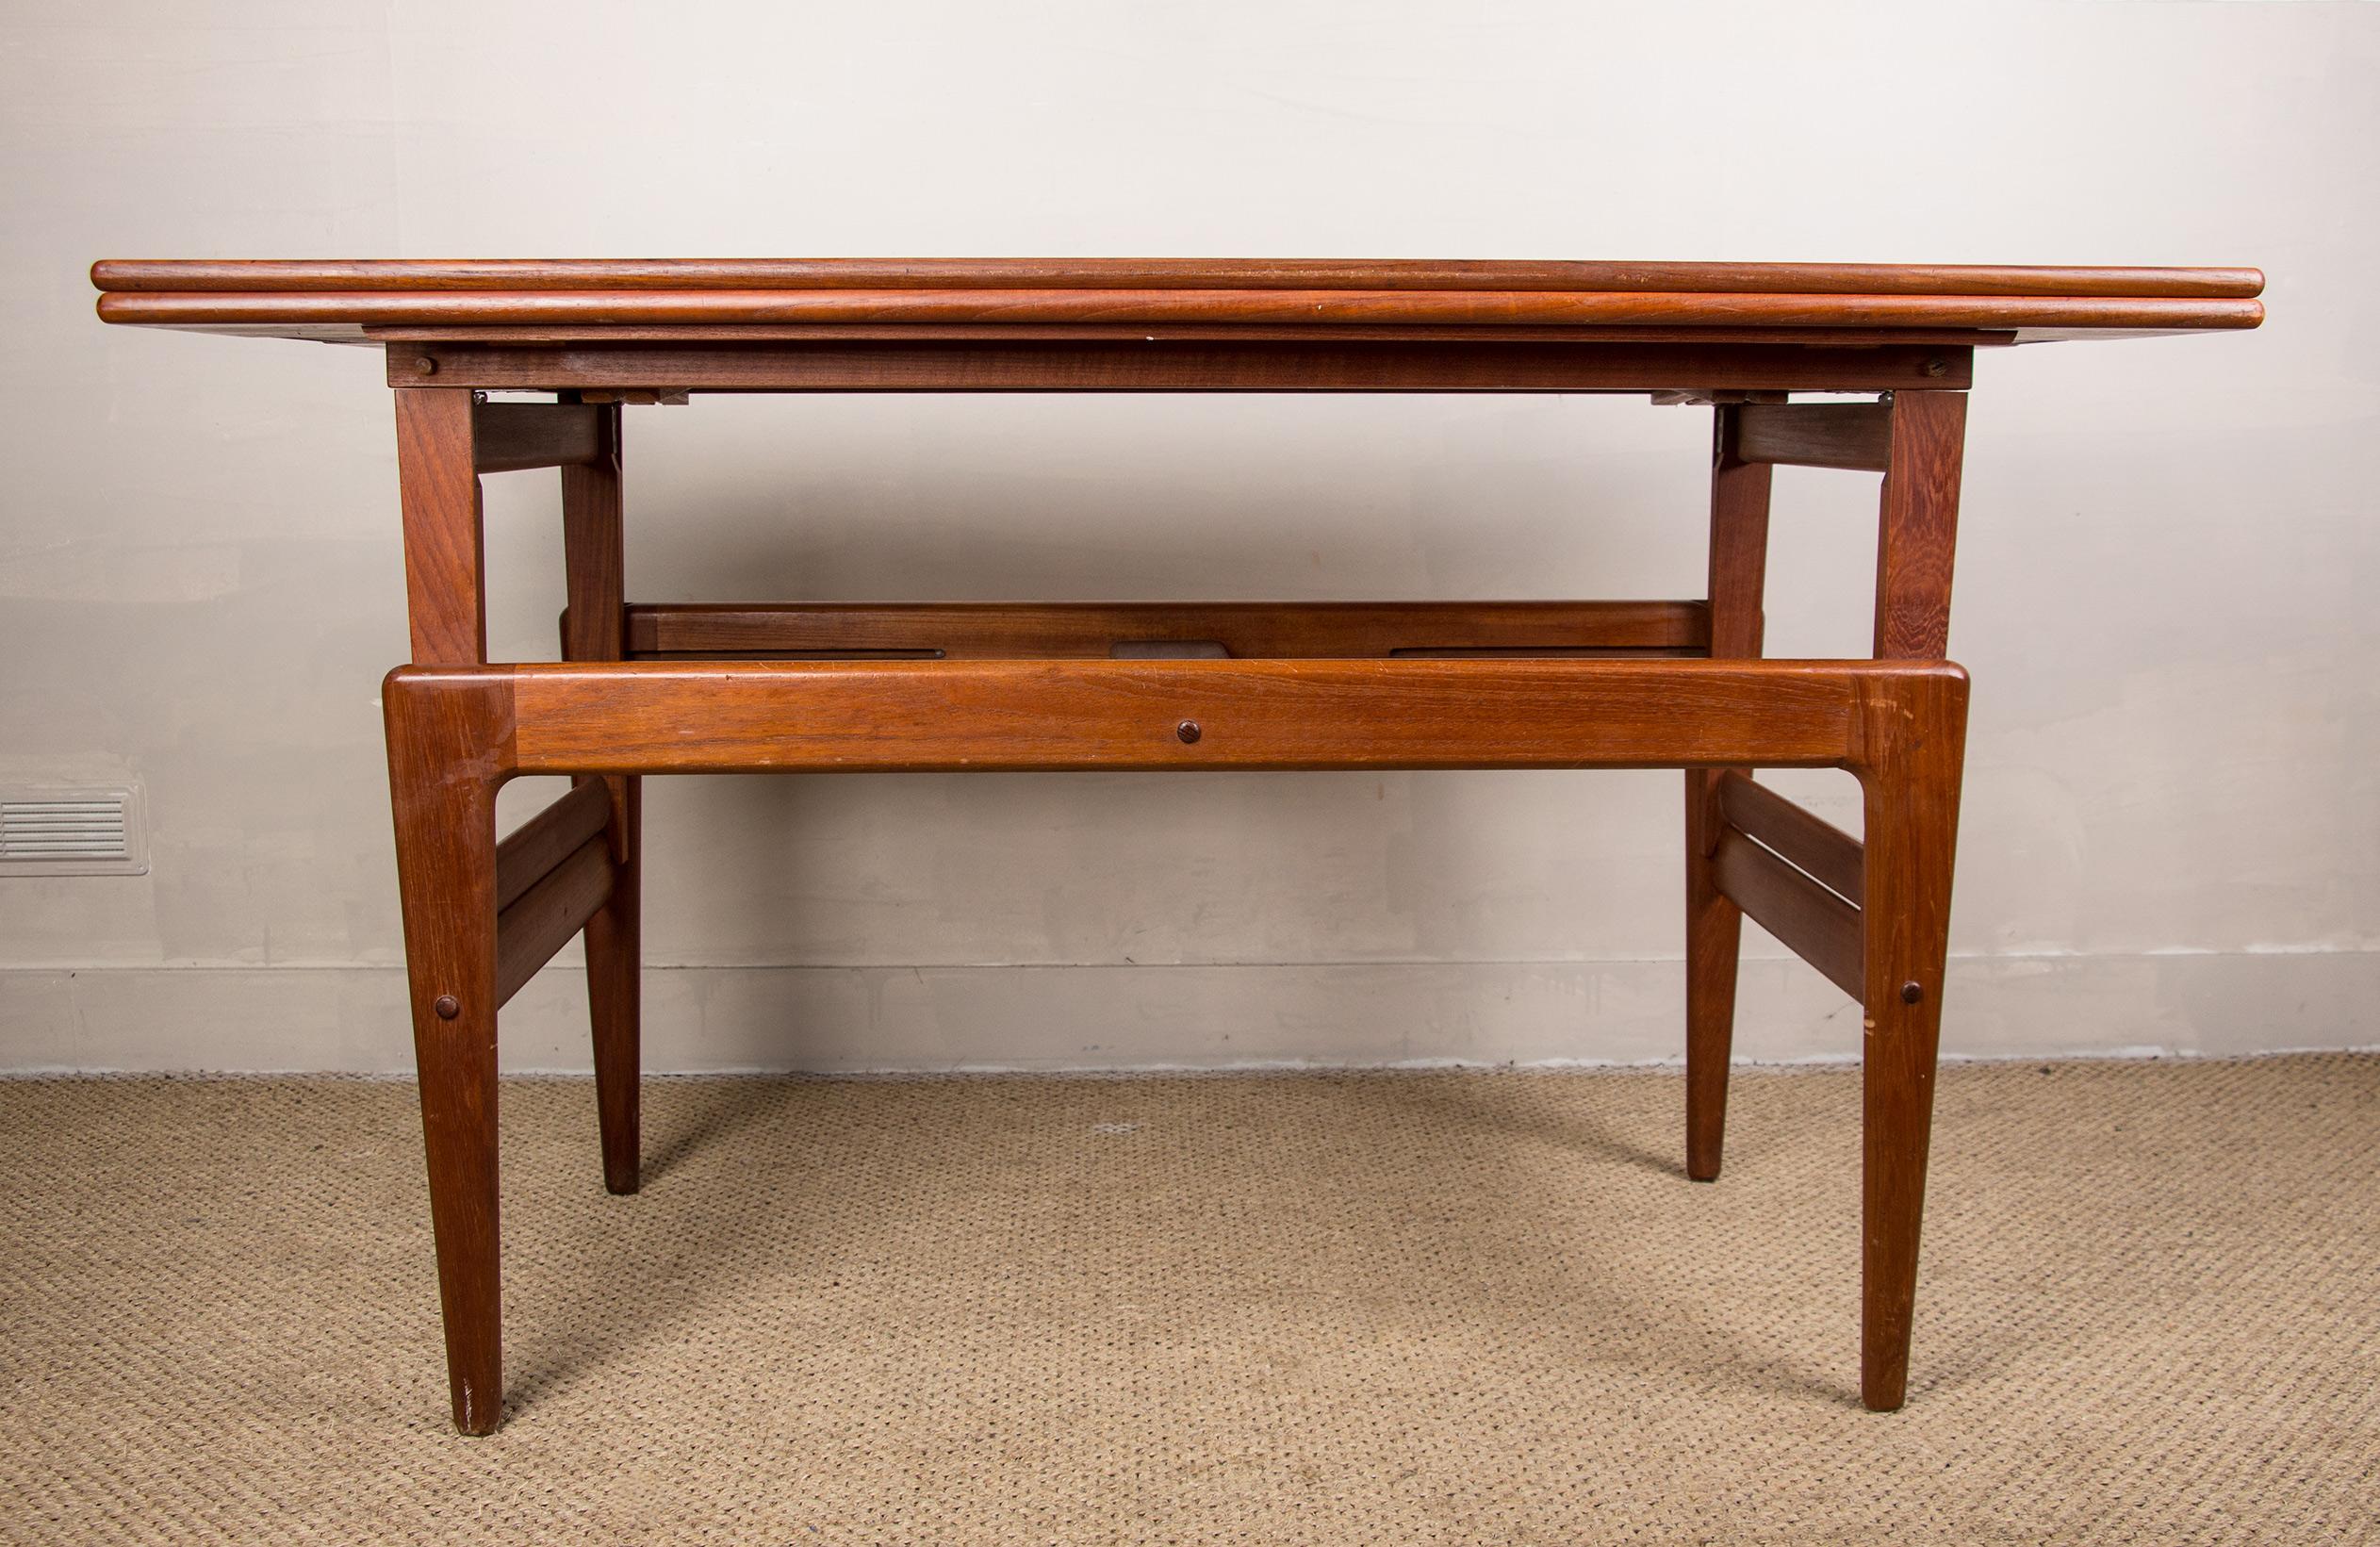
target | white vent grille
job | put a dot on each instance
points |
(72, 833)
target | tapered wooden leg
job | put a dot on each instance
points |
(1916, 737)
(594, 629)
(1915, 743)
(1715, 932)
(613, 965)
(439, 752)
(1715, 925)
(442, 792)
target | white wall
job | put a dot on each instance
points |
(2172, 834)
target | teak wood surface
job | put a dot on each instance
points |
(775, 686)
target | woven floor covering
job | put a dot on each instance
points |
(1280, 1308)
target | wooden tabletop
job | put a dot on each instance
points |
(367, 301)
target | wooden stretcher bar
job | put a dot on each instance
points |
(1811, 843)
(544, 918)
(1096, 629)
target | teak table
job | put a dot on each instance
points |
(771, 687)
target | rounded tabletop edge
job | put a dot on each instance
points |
(541, 275)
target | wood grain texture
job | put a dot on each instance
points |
(615, 970)
(1313, 333)
(1737, 579)
(1342, 307)
(1917, 536)
(992, 715)
(1815, 924)
(1811, 842)
(595, 623)
(448, 274)
(1913, 747)
(595, 544)
(445, 563)
(1736, 567)
(531, 850)
(448, 750)
(1089, 631)
(545, 918)
(881, 715)
(513, 436)
(1142, 365)
(1856, 435)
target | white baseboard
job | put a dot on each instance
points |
(907, 1019)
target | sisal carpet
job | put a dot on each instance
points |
(1403, 1308)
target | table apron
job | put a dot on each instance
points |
(990, 716)
(1162, 365)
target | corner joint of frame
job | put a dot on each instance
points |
(456, 721)
(1896, 710)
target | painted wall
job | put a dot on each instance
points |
(2165, 583)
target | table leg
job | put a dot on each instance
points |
(615, 960)
(1916, 753)
(442, 786)
(446, 561)
(594, 629)
(1738, 566)
(1917, 536)
(1915, 748)
(443, 796)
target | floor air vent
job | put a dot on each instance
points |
(72, 833)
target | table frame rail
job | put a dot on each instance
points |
(1102, 630)
(1142, 361)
